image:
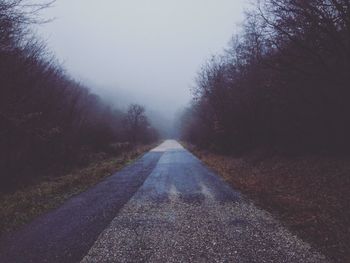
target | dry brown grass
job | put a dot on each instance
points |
(22, 206)
(309, 194)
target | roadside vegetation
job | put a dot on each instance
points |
(271, 114)
(51, 124)
(308, 194)
(24, 205)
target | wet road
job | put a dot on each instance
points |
(185, 213)
(67, 233)
(166, 207)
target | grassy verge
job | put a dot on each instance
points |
(309, 195)
(23, 206)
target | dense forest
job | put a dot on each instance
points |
(48, 121)
(282, 84)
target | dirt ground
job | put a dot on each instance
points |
(309, 194)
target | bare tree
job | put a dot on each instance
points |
(48, 121)
(136, 122)
(282, 83)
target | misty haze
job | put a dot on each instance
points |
(174, 131)
(146, 52)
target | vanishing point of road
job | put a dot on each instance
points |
(165, 207)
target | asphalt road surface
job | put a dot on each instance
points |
(166, 207)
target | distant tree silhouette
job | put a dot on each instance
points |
(137, 125)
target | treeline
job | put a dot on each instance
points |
(283, 83)
(48, 121)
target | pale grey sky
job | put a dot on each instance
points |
(143, 50)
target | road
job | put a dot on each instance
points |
(67, 233)
(166, 207)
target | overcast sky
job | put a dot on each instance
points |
(148, 51)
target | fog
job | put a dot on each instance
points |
(146, 52)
